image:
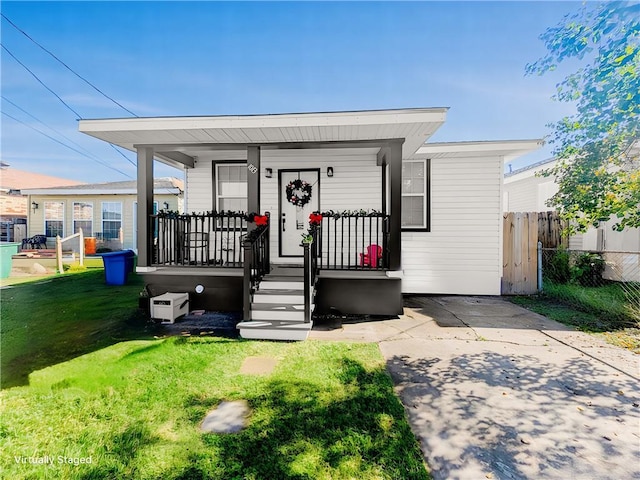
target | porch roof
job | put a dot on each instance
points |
(188, 135)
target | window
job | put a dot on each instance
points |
(83, 218)
(54, 219)
(231, 187)
(111, 220)
(415, 195)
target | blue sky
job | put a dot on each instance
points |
(210, 58)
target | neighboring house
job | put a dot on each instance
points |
(106, 211)
(14, 204)
(414, 217)
(527, 190)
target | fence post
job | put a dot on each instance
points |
(59, 253)
(539, 267)
(81, 247)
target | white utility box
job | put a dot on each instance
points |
(169, 306)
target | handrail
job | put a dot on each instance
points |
(310, 269)
(255, 245)
(60, 241)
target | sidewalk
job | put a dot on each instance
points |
(495, 391)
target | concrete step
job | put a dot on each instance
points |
(279, 282)
(286, 272)
(279, 296)
(274, 311)
(275, 330)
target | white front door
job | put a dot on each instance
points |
(296, 187)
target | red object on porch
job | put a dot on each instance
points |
(373, 256)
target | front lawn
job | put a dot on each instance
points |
(328, 411)
(52, 320)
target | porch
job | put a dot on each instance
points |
(225, 264)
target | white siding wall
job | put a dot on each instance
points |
(356, 182)
(462, 252)
(529, 194)
(198, 187)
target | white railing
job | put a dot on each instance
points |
(60, 241)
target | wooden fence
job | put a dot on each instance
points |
(521, 233)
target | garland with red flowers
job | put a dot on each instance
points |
(298, 192)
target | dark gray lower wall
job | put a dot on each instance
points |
(359, 296)
(220, 293)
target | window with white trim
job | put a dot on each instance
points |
(231, 187)
(54, 219)
(415, 194)
(83, 218)
(111, 220)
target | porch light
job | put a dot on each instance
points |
(34, 206)
(268, 172)
(329, 171)
(199, 288)
(166, 205)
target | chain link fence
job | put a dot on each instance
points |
(595, 281)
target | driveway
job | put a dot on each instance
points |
(494, 391)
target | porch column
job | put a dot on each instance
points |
(145, 205)
(253, 181)
(394, 160)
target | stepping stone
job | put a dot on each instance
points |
(228, 417)
(258, 365)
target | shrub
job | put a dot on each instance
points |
(557, 268)
(588, 270)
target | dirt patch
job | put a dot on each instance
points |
(258, 365)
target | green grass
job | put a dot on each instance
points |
(55, 319)
(328, 411)
(85, 378)
(606, 311)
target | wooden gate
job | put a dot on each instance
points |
(520, 253)
(521, 233)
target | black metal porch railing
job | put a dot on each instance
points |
(211, 239)
(353, 241)
(256, 264)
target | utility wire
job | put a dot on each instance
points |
(61, 134)
(67, 66)
(41, 82)
(63, 102)
(65, 145)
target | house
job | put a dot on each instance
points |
(14, 204)
(527, 190)
(399, 215)
(106, 211)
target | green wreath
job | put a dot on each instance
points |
(298, 193)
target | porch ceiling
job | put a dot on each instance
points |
(190, 135)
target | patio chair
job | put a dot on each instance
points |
(373, 257)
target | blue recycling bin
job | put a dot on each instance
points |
(117, 266)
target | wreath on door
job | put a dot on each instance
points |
(298, 192)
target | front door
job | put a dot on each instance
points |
(299, 196)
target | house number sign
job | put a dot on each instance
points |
(252, 168)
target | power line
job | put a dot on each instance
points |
(41, 82)
(67, 66)
(65, 145)
(61, 134)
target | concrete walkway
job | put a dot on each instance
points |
(495, 391)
